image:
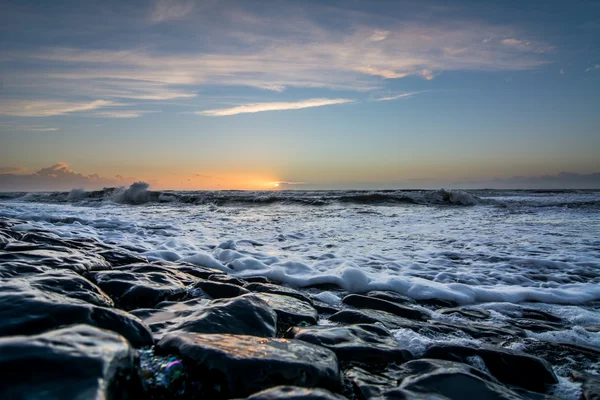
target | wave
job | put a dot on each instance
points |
(140, 193)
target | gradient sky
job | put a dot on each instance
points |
(242, 94)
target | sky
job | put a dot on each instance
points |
(299, 94)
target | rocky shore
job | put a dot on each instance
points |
(80, 319)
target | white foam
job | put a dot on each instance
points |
(577, 336)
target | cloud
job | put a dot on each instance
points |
(167, 10)
(562, 71)
(31, 128)
(280, 106)
(24, 108)
(58, 177)
(122, 113)
(398, 96)
(597, 66)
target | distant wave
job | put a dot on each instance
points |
(139, 193)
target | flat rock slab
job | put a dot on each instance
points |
(472, 313)
(508, 366)
(243, 315)
(369, 344)
(26, 310)
(78, 362)
(276, 289)
(219, 290)
(295, 393)
(58, 258)
(428, 379)
(390, 296)
(142, 286)
(239, 365)
(360, 301)
(290, 310)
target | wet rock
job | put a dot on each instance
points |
(295, 393)
(49, 240)
(508, 366)
(370, 344)
(472, 313)
(438, 303)
(121, 257)
(218, 290)
(535, 325)
(62, 258)
(539, 315)
(276, 289)
(257, 279)
(71, 363)
(243, 315)
(480, 329)
(390, 296)
(360, 301)
(197, 271)
(590, 385)
(592, 328)
(14, 269)
(428, 379)
(290, 310)
(68, 284)
(26, 310)
(142, 286)
(324, 308)
(237, 365)
(224, 278)
(389, 320)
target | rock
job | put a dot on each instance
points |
(69, 284)
(508, 366)
(14, 269)
(197, 271)
(390, 296)
(257, 279)
(540, 315)
(428, 379)
(369, 344)
(243, 315)
(535, 325)
(224, 278)
(480, 329)
(360, 301)
(218, 290)
(590, 385)
(142, 286)
(237, 365)
(438, 303)
(290, 310)
(49, 240)
(26, 310)
(121, 257)
(473, 313)
(276, 289)
(324, 308)
(57, 259)
(389, 320)
(592, 328)
(295, 393)
(71, 363)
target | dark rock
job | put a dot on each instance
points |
(290, 310)
(257, 279)
(390, 296)
(480, 329)
(236, 365)
(508, 366)
(218, 290)
(539, 315)
(49, 240)
(390, 321)
(224, 278)
(142, 286)
(428, 379)
(197, 271)
(13, 269)
(72, 363)
(592, 328)
(63, 258)
(370, 344)
(243, 315)
(26, 310)
(121, 257)
(535, 325)
(324, 308)
(69, 284)
(590, 385)
(360, 301)
(437, 303)
(473, 313)
(295, 393)
(276, 289)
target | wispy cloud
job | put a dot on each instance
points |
(25, 127)
(166, 10)
(597, 66)
(122, 113)
(398, 96)
(23, 108)
(278, 106)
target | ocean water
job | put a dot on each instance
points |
(483, 248)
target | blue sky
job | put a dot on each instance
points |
(240, 94)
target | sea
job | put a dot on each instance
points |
(484, 248)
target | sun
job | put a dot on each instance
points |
(276, 184)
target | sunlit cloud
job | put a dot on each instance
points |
(398, 96)
(25, 127)
(122, 113)
(278, 106)
(23, 108)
